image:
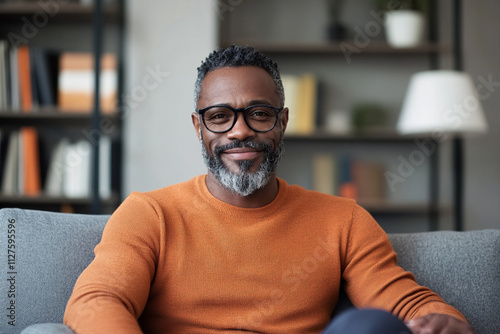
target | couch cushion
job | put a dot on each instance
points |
(463, 267)
(47, 253)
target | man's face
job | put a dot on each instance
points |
(241, 159)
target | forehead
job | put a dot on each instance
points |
(238, 85)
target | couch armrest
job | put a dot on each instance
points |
(43, 255)
(462, 267)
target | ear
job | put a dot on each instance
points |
(196, 123)
(284, 119)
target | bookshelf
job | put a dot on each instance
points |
(309, 49)
(414, 196)
(60, 12)
(293, 34)
(50, 117)
(63, 28)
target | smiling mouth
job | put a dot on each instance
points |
(242, 153)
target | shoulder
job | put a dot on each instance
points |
(317, 208)
(161, 199)
(179, 191)
(325, 206)
(298, 194)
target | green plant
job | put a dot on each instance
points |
(366, 116)
(420, 5)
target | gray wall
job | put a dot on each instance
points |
(169, 38)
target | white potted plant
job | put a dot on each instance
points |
(405, 21)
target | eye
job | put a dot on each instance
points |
(261, 113)
(218, 115)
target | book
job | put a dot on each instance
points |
(30, 167)
(77, 169)
(44, 69)
(347, 186)
(15, 99)
(325, 173)
(105, 167)
(368, 176)
(11, 166)
(307, 103)
(291, 89)
(76, 82)
(24, 77)
(4, 103)
(35, 94)
(55, 172)
(301, 96)
(4, 141)
(69, 169)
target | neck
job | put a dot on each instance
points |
(259, 198)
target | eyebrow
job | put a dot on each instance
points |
(250, 103)
(254, 102)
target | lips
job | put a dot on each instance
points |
(242, 153)
(242, 150)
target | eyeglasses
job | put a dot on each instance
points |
(221, 118)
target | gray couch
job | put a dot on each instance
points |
(44, 252)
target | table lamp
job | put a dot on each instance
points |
(441, 102)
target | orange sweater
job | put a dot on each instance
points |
(181, 261)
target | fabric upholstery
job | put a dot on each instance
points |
(52, 249)
(48, 328)
(463, 267)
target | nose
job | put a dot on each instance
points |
(240, 130)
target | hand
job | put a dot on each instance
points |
(438, 324)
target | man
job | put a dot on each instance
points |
(239, 250)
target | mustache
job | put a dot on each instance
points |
(243, 143)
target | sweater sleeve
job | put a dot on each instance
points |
(111, 293)
(373, 279)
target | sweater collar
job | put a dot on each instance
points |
(233, 210)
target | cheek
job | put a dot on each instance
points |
(278, 136)
(208, 141)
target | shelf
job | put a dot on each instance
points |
(382, 137)
(69, 12)
(59, 203)
(51, 200)
(71, 25)
(49, 117)
(384, 207)
(381, 77)
(376, 48)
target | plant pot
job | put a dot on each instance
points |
(404, 28)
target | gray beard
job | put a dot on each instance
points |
(244, 183)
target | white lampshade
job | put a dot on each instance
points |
(441, 101)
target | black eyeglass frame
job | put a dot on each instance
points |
(235, 111)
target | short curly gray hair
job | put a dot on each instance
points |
(235, 56)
